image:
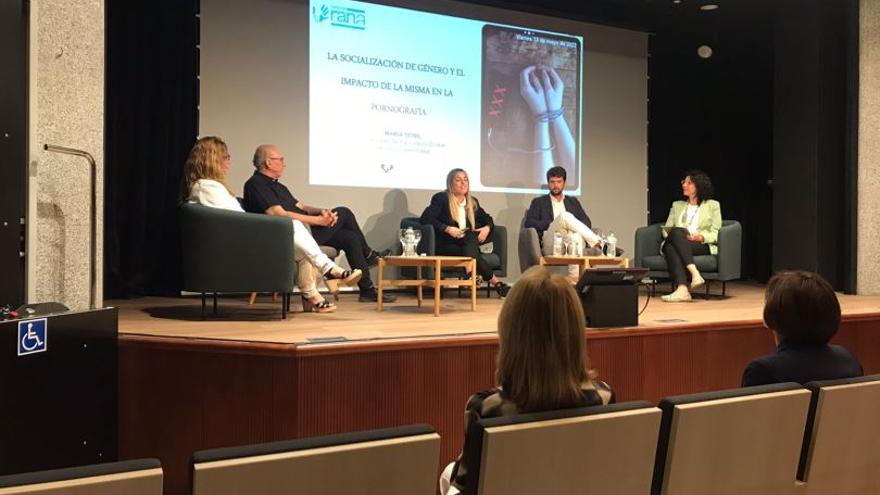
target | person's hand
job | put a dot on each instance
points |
(454, 232)
(324, 220)
(695, 237)
(532, 91)
(553, 87)
(329, 216)
(482, 233)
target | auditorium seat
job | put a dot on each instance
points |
(724, 267)
(604, 449)
(497, 259)
(841, 454)
(136, 477)
(731, 442)
(234, 252)
(393, 461)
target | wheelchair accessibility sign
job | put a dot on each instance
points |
(32, 335)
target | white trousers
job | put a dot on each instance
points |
(565, 224)
(308, 257)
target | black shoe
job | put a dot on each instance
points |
(502, 289)
(373, 257)
(373, 296)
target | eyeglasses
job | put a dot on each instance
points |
(279, 158)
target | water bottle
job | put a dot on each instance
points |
(409, 246)
(572, 244)
(611, 246)
(557, 244)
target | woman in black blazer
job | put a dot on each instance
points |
(462, 225)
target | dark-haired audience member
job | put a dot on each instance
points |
(542, 361)
(803, 312)
(691, 229)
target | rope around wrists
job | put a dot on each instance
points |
(551, 115)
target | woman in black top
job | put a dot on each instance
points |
(802, 310)
(462, 225)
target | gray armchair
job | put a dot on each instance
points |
(229, 251)
(497, 259)
(724, 267)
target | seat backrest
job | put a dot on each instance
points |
(135, 477)
(394, 461)
(230, 251)
(609, 449)
(841, 452)
(737, 441)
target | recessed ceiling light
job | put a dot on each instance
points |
(704, 51)
(709, 6)
(676, 1)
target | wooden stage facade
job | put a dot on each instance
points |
(246, 376)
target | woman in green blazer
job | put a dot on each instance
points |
(691, 229)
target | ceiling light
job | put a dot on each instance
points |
(704, 51)
(709, 6)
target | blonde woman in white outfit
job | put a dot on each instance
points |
(204, 183)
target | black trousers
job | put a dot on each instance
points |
(679, 253)
(346, 235)
(466, 246)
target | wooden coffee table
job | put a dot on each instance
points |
(435, 262)
(584, 262)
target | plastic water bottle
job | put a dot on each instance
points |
(572, 244)
(557, 244)
(409, 247)
(611, 245)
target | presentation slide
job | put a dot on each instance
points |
(399, 97)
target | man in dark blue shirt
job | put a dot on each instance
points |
(338, 228)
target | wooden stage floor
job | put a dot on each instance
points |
(403, 320)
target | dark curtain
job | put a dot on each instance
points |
(152, 121)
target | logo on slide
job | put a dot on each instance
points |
(340, 16)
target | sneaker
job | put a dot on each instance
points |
(677, 297)
(373, 296)
(373, 257)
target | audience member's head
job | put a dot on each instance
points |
(802, 308)
(208, 159)
(542, 361)
(703, 184)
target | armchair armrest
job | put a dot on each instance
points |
(529, 248)
(730, 250)
(498, 237)
(648, 241)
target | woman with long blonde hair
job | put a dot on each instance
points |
(204, 182)
(461, 225)
(542, 360)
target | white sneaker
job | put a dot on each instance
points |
(697, 281)
(677, 297)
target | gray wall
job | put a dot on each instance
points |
(254, 82)
(868, 269)
(66, 109)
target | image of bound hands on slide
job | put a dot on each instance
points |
(543, 89)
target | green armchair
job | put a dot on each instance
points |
(724, 267)
(497, 259)
(229, 251)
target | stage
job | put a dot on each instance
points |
(247, 376)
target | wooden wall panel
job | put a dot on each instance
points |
(177, 396)
(180, 395)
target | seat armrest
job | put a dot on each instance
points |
(730, 251)
(648, 241)
(498, 237)
(529, 248)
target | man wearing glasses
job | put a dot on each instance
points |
(338, 228)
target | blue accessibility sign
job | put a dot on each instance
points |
(32, 336)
